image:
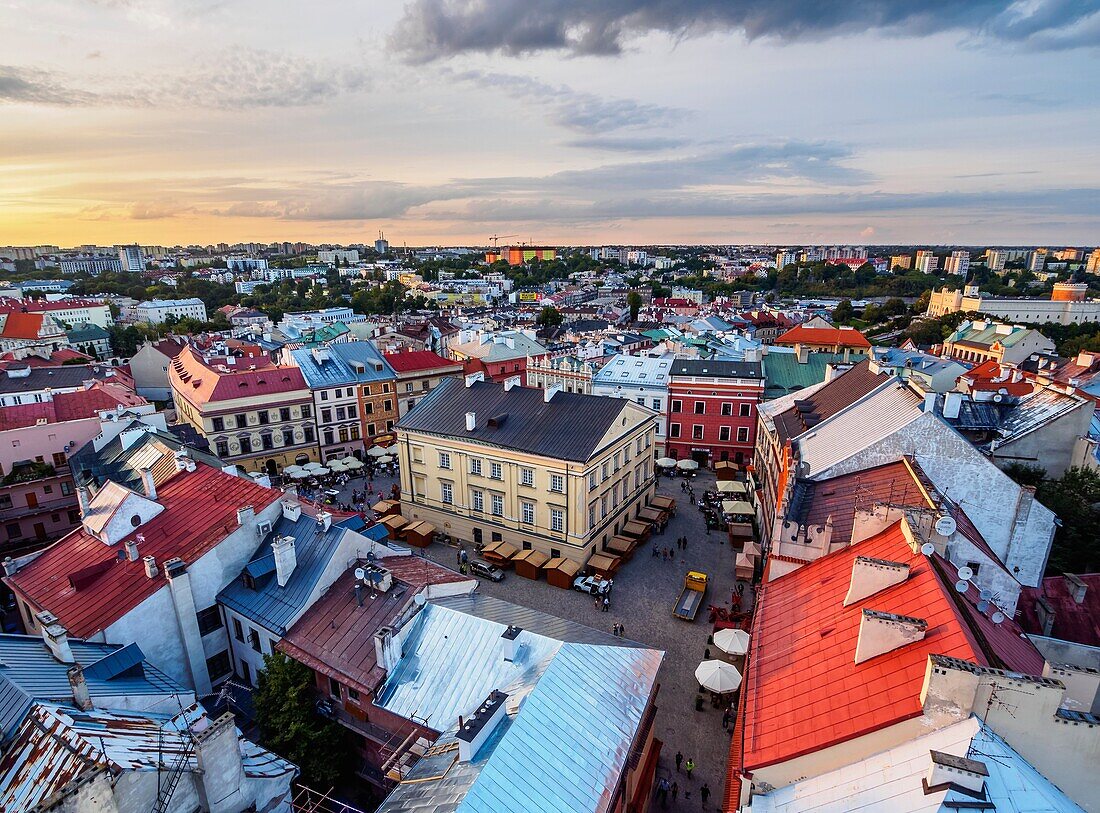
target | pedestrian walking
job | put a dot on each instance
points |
(662, 792)
(679, 759)
(596, 602)
(704, 794)
(622, 631)
(606, 604)
(656, 551)
(689, 766)
(726, 719)
(675, 790)
(706, 654)
(685, 543)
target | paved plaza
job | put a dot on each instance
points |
(645, 591)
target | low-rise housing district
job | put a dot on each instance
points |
(348, 491)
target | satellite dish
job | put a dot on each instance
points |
(986, 594)
(946, 525)
(965, 573)
(360, 574)
(998, 617)
(998, 398)
(961, 586)
(983, 605)
(927, 548)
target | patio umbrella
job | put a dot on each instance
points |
(376, 451)
(687, 465)
(289, 470)
(320, 471)
(666, 462)
(731, 641)
(384, 459)
(718, 676)
(737, 507)
(352, 463)
(312, 466)
(336, 465)
(301, 474)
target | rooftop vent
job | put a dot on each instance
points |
(471, 421)
(870, 576)
(497, 421)
(473, 732)
(880, 633)
(510, 637)
(949, 772)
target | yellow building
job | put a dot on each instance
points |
(260, 417)
(554, 471)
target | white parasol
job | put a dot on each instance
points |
(336, 465)
(384, 459)
(312, 466)
(352, 463)
(376, 451)
(718, 676)
(687, 465)
(666, 462)
(731, 641)
(300, 474)
(320, 471)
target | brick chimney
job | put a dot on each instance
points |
(79, 685)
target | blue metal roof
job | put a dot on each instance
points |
(347, 363)
(574, 706)
(28, 672)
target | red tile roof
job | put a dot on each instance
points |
(841, 392)
(418, 360)
(80, 579)
(988, 376)
(70, 406)
(1075, 622)
(833, 336)
(803, 690)
(200, 383)
(22, 325)
(336, 636)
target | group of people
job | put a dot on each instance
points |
(618, 630)
(668, 553)
(666, 788)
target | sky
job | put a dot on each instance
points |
(562, 122)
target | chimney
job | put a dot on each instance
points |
(870, 576)
(1082, 685)
(324, 519)
(285, 558)
(383, 649)
(952, 404)
(292, 510)
(471, 421)
(550, 392)
(947, 771)
(1044, 614)
(56, 637)
(84, 499)
(79, 685)
(246, 515)
(803, 353)
(1076, 587)
(147, 482)
(150, 566)
(475, 730)
(930, 402)
(10, 566)
(473, 378)
(511, 381)
(510, 637)
(132, 549)
(880, 633)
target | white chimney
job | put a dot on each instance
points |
(476, 729)
(324, 519)
(870, 576)
(285, 558)
(471, 421)
(292, 510)
(83, 499)
(551, 391)
(803, 353)
(150, 566)
(880, 633)
(947, 770)
(1076, 587)
(511, 381)
(510, 638)
(952, 404)
(473, 378)
(132, 549)
(246, 515)
(56, 637)
(930, 402)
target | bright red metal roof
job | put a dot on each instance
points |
(200, 510)
(69, 406)
(803, 690)
(418, 360)
(22, 325)
(843, 337)
(200, 383)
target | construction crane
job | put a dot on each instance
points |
(496, 238)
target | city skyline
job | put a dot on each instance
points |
(564, 122)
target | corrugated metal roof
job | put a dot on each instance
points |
(784, 374)
(841, 392)
(568, 427)
(347, 363)
(1035, 410)
(717, 369)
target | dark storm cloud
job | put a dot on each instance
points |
(438, 29)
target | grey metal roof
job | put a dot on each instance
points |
(568, 427)
(28, 672)
(574, 707)
(723, 369)
(67, 376)
(347, 363)
(122, 465)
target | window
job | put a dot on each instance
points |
(387, 404)
(723, 433)
(266, 441)
(326, 416)
(353, 412)
(327, 437)
(238, 630)
(700, 407)
(527, 477)
(592, 516)
(262, 416)
(324, 395)
(408, 386)
(209, 619)
(496, 472)
(591, 480)
(475, 465)
(284, 414)
(5, 501)
(677, 406)
(307, 411)
(626, 454)
(557, 520)
(246, 445)
(254, 639)
(604, 472)
(444, 460)
(727, 409)
(745, 410)
(218, 666)
(974, 566)
(242, 421)
(14, 530)
(528, 512)
(697, 431)
(557, 483)
(66, 487)
(446, 493)
(288, 437)
(498, 505)
(603, 507)
(219, 424)
(615, 465)
(47, 489)
(674, 430)
(334, 687)
(353, 695)
(478, 501)
(657, 404)
(638, 446)
(742, 434)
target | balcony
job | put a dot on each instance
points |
(46, 507)
(333, 709)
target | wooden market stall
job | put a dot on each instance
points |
(499, 553)
(561, 572)
(637, 528)
(419, 534)
(529, 563)
(622, 546)
(386, 507)
(745, 567)
(725, 470)
(655, 516)
(663, 503)
(395, 524)
(604, 564)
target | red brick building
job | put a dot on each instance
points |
(712, 410)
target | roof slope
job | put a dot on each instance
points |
(839, 336)
(841, 392)
(568, 427)
(200, 383)
(1075, 622)
(415, 361)
(717, 369)
(84, 583)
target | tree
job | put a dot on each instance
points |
(290, 725)
(634, 302)
(1075, 498)
(843, 311)
(549, 316)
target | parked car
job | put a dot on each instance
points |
(588, 584)
(486, 571)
